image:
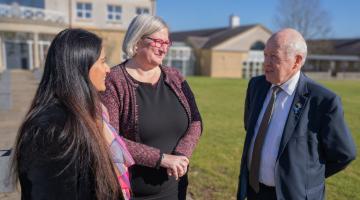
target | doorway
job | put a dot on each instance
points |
(17, 55)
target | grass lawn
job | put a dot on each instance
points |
(215, 164)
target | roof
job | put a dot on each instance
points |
(334, 46)
(182, 35)
(208, 38)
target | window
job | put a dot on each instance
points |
(142, 10)
(83, 10)
(178, 64)
(172, 53)
(258, 46)
(114, 12)
(244, 73)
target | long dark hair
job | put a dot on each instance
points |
(66, 80)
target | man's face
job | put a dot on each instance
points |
(278, 65)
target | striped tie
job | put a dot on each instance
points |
(259, 141)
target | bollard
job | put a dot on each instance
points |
(5, 91)
(6, 178)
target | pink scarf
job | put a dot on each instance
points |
(120, 154)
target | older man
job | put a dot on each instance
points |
(296, 135)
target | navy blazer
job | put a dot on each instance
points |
(316, 142)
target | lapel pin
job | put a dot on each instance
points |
(297, 108)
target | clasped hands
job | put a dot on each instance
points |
(175, 165)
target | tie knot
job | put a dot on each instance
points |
(276, 90)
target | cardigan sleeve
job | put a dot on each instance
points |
(111, 98)
(189, 141)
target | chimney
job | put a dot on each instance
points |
(153, 7)
(234, 21)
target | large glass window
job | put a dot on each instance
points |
(114, 12)
(258, 46)
(83, 10)
(177, 64)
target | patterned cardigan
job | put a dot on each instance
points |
(120, 100)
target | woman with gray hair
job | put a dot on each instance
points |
(154, 110)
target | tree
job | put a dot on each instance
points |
(306, 16)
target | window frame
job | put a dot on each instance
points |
(84, 10)
(141, 10)
(114, 13)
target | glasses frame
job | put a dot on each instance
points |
(158, 43)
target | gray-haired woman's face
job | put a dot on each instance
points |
(153, 48)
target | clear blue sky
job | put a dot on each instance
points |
(198, 14)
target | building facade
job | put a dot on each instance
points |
(333, 59)
(235, 51)
(26, 31)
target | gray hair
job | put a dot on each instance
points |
(297, 47)
(142, 25)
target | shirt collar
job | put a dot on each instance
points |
(290, 85)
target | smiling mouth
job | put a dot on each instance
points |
(159, 54)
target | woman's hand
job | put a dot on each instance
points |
(176, 165)
(180, 172)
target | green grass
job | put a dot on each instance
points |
(216, 161)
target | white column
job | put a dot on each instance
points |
(41, 43)
(2, 46)
(168, 60)
(258, 66)
(36, 51)
(31, 60)
(332, 66)
(184, 66)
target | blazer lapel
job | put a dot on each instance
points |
(259, 98)
(297, 106)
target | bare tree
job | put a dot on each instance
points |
(306, 16)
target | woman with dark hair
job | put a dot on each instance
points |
(65, 147)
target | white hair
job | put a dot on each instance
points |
(297, 47)
(141, 26)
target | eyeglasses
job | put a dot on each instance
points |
(159, 42)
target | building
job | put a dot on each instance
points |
(233, 51)
(26, 31)
(333, 58)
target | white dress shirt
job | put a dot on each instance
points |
(275, 130)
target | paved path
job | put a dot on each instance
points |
(23, 87)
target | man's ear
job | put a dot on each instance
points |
(298, 61)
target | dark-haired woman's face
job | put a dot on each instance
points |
(98, 72)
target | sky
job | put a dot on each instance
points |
(34, 3)
(199, 14)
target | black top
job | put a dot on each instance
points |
(41, 174)
(162, 122)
